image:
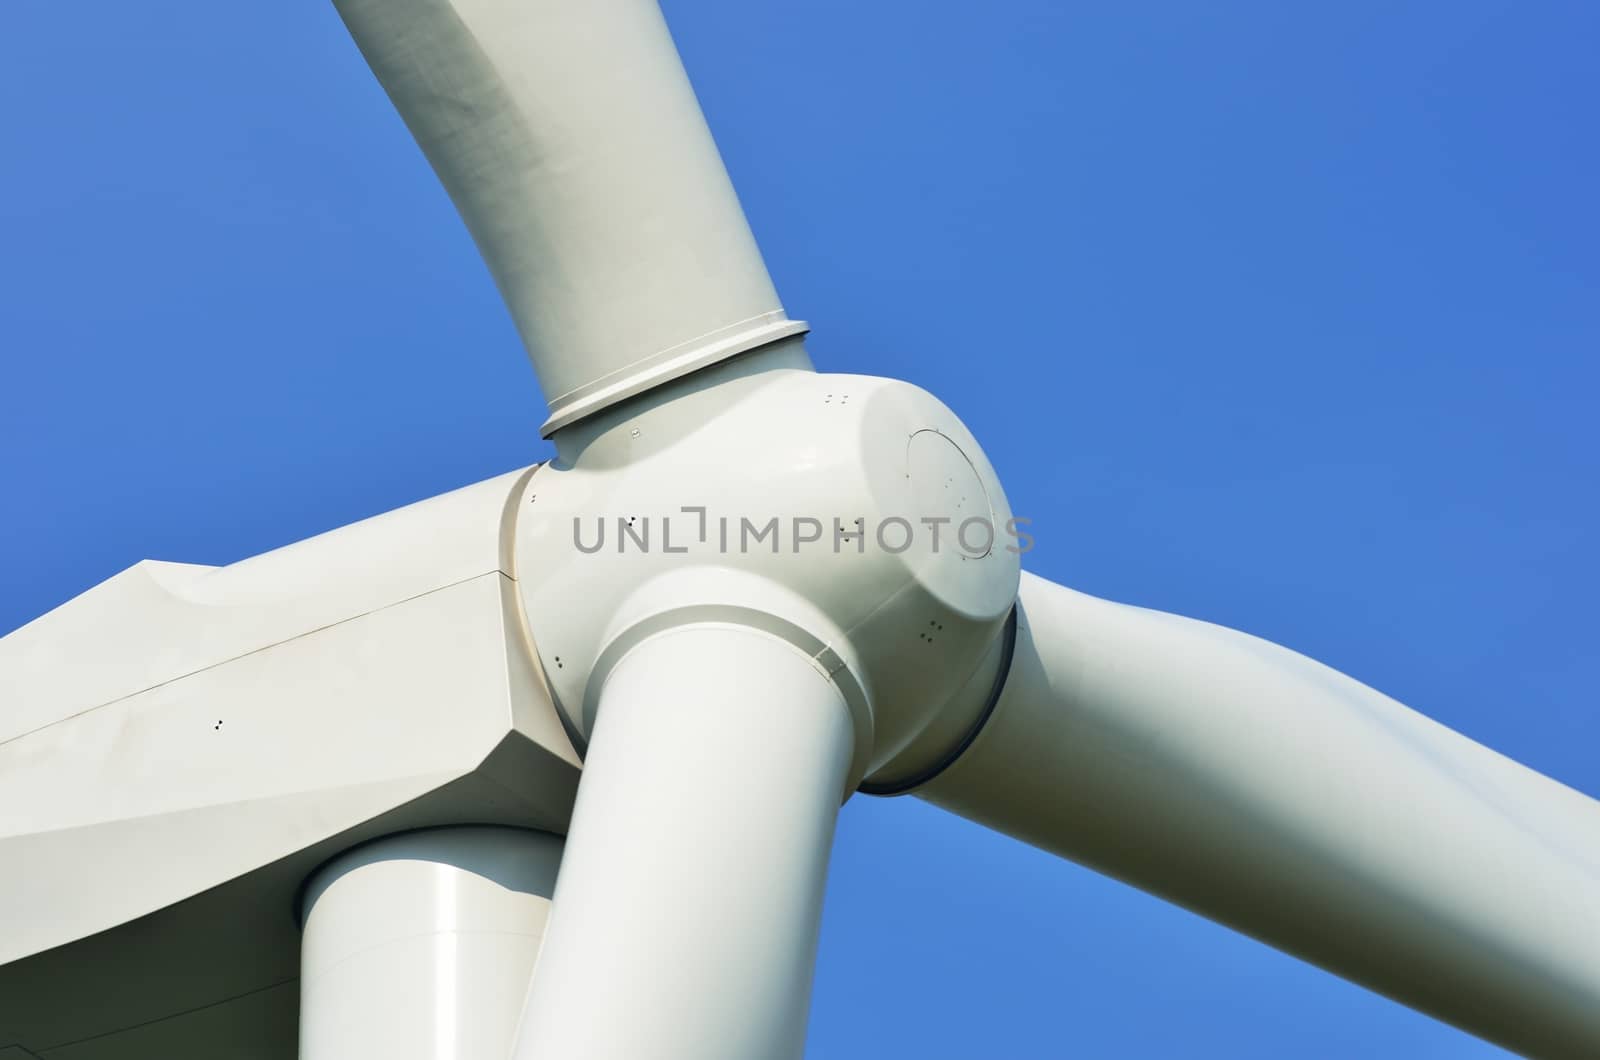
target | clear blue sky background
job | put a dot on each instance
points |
(1283, 316)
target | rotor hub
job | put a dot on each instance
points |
(854, 517)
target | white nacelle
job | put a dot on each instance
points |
(185, 744)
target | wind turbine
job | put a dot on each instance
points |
(743, 692)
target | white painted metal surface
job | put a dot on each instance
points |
(833, 506)
(1264, 790)
(570, 139)
(685, 921)
(419, 946)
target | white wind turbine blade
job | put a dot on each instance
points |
(685, 918)
(570, 140)
(1268, 792)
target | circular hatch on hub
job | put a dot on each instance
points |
(949, 497)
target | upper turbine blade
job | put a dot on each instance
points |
(1266, 791)
(570, 140)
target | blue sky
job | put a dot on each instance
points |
(1281, 316)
